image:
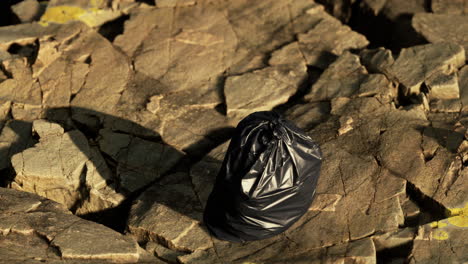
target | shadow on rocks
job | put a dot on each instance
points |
(143, 169)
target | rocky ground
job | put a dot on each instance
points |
(115, 117)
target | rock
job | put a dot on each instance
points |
(49, 232)
(443, 239)
(445, 105)
(200, 257)
(15, 137)
(360, 251)
(443, 86)
(440, 28)
(341, 79)
(394, 239)
(308, 115)
(463, 85)
(23, 34)
(163, 252)
(27, 10)
(170, 213)
(379, 86)
(261, 90)
(327, 40)
(174, 3)
(140, 162)
(93, 13)
(203, 174)
(21, 89)
(377, 60)
(414, 65)
(64, 168)
(375, 5)
(325, 202)
(456, 7)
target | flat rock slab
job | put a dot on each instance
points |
(341, 79)
(327, 40)
(140, 161)
(64, 168)
(170, 214)
(53, 233)
(442, 27)
(262, 90)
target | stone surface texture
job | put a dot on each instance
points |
(121, 111)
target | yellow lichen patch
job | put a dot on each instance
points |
(92, 17)
(61, 14)
(459, 216)
(438, 224)
(440, 234)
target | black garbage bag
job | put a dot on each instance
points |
(267, 180)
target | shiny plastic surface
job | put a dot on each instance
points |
(267, 180)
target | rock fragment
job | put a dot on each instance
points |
(15, 137)
(27, 10)
(414, 65)
(377, 60)
(64, 168)
(47, 229)
(327, 40)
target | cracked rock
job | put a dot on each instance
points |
(171, 214)
(261, 90)
(64, 168)
(50, 232)
(444, 239)
(414, 65)
(341, 79)
(140, 162)
(327, 40)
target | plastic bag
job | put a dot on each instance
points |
(267, 180)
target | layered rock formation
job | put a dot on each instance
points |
(121, 111)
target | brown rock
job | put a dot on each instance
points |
(443, 86)
(414, 65)
(140, 162)
(463, 84)
(450, 7)
(341, 79)
(262, 90)
(15, 137)
(327, 40)
(27, 10)
(61, 167)
(48, 231)
(377, 60)
(442, 28)
(170, 213)
(440, 240)
(203, 174)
